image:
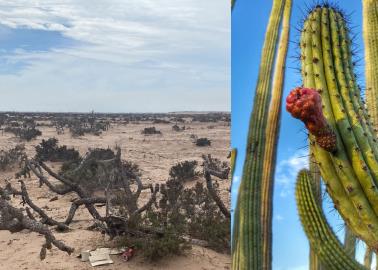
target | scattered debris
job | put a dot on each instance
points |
(101, 256)
(128, 254)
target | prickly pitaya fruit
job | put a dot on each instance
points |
(306, 105)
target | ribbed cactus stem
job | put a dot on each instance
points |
(321, 236)
(350, 243)
(247, 246)
(368, 257)
(370, 34)
(350, 172)
(271, 134)
(234, 153)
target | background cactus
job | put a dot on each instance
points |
(248, 241)
(350, 172)
(320, 234)
(370, 33)
(272, 131)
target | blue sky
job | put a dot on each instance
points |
(249, 20)
(115, 55)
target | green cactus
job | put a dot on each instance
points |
(248, 242)
(315, 263)
(351, 172)
(322, 239)
(370, 33)
(271, 134)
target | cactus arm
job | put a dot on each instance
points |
(370, 35)
(333, 103)
(271, 134)
(320, 234)
(334, 112)
(358, 127)
(247, 231)
(354, 91)
(364, 152)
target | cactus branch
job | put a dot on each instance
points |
(247, 246)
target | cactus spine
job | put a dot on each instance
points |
(370, 33)
(322, 238)
(351, 172)
(271, 134)
(247, 246)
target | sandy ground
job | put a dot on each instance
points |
(154, 154)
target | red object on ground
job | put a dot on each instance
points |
(306, 105)
(128, 254)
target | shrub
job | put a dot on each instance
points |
(11, 157)
(202, 142)
(150, 131)
(49, 150)
(178, 128)
(161, 121)
(24, 133)
(205, 220)
(93, 174)
(184, 171)
(180, 214)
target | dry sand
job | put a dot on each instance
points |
(154, 154)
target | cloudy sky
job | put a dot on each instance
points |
(114, 55)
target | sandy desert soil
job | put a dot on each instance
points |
(154, 154)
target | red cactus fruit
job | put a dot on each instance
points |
(306, 105)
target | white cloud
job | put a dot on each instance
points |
(287, 170)
(279, 217)
(149, 49)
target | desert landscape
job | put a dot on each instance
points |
(103, 164)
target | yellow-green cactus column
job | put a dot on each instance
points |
(350, 168)
(370, 33)
(272, 132)
(247, 244)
